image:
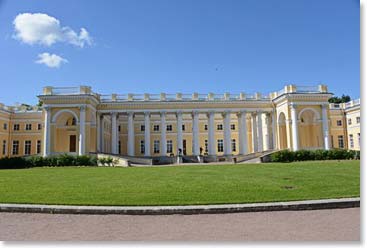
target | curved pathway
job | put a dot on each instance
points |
(327, 224)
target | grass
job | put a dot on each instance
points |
(181, 185)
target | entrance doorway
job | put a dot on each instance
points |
(72, 143)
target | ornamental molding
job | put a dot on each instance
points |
(66, 98)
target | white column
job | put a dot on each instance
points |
(82, 131)
(130, 134)
(47, 133)
(163, 134)
(179, 132)
(325, 127)
(99, 133)
(147, 133)
(242, 133)
(260, 132)
(102, 134)
(254, 133)
(195, 133)
(227, 133)
(269, 139)
(114, 134)
(294, 127)
(211, 140)
(274, 129)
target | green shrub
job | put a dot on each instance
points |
(282, 156)
(303, 155)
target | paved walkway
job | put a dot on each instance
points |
(328, 224)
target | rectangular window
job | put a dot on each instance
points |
(233, 145)
(332, 141)
(15, 150)
(205, 127)
(358, 119)
(119, 129)
(339, 123)
(5, 126)
(156, 128)
(169, 128)
(119, 149)
(27, 147)
(206, 146)
(156, 146)
(219, 127)
(28, 127)
(4, 147)
(220, 145)
(142, 128)
(16, 127)
(359, 139)
(38, 146)
(183, 127)
(233, 127)
(142, 147)
(351, 141)
(39, 126)
(169, 146)
(349, 121)
(340, 141)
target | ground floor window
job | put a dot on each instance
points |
(359, 138)
(156, 146)
(119, 150)
(340, 141)
(233, 145)
(15, 150)
(332, 141)
(351, 141)
(27, 147)
(142, 146)
(169, 146)
(206, 146)
(38, 146)
(220, 145)
(4, 147)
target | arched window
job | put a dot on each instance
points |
(73, 122)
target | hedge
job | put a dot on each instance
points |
(51, 161)
(303, 155)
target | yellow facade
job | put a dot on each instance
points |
(79, 121)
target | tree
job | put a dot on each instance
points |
(342, 99)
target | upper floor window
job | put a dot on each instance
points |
(16, 127)
(205, 127)
(233, 127)
(339, 123)
(119, 128)
(39, 126)
(169, 127)
(5, 126)
(219, 127)
(142, 128)
(28, 127)
(358, 119)
(349, 121)
(183, 127)
(156, 128)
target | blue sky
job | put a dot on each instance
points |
(139, 46)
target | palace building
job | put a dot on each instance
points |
(77, 120)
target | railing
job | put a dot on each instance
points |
(307, 89)
(65, 90)
(353, 103)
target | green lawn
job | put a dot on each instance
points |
(181, 185)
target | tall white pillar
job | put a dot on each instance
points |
(130, 134)
(47, 133)
(82, 131)
(269, 139)
(260, 132)
(179, 132)
(227, 133)
(163, 134)
(147, 133)
(274, 129)
(242, 133)
(254, 133)
(195, 133)
(114, 134)
(294, 127)
(211, 140)
(325, 127)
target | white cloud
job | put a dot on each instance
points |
(46, 30)
(50, 60)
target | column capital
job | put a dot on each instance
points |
(292, 104)
(226, 112)
(179, 112)
(195, 112)
(147, 113)
(130, 113)
(47, 108)
(163, 112)
(210, 113)
(83, 108)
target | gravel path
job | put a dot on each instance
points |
(330, 224)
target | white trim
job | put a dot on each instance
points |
(54, 118)
(188, 111)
